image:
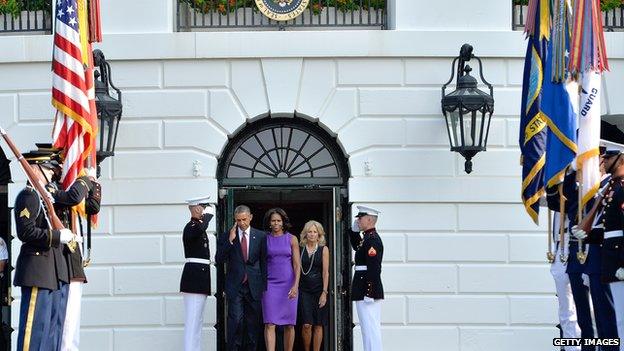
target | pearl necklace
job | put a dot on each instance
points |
(311, 259)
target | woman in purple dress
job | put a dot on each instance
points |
(279, 302)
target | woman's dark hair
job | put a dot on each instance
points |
(281, 213)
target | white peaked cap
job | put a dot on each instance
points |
(198, 200)
(364, 211)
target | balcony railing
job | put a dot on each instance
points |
(194, 15)
(613, 20)
(25, 16)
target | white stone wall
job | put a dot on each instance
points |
(464, 265)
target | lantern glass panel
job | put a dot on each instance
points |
(481, 124)
(487, 118)
(453, 125)
(467, 121)
(104, 133)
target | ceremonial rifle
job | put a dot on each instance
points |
(44, 194)
(586, 223)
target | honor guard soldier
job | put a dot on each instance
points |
(602, 300)
(83, 189)
(575, 269)
(613, 245)
(88, 190)
(561, 237)
(367, 289)
(41, 270)
(195, 281)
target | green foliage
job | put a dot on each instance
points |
(221, 6)
(608, 5)
(10, 7)
(343, 5)
(377, 4)
(605, 5)
(14, 7)
(36, 5)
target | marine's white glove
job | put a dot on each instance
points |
(620, 273)
(355, 226)
(210, 209)
(368, 299)
(66, 236)
(91, 173)
(579, 233)
(585, 279)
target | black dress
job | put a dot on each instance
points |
(311, 287)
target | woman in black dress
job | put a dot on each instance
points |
(313, 284)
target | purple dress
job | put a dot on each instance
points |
(277, 308)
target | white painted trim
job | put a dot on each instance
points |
(262, 44)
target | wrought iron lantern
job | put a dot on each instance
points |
(467, 110)
(108, 107)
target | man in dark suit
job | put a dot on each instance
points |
(243, 251)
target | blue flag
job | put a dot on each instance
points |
(559, 114)
(533, 127)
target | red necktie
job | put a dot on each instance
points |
(244, 248)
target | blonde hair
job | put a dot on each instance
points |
(306, 229)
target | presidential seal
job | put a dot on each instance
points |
(282, 10)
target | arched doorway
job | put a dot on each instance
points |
(294, 164)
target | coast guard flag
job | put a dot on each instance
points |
(588, 57)
(589, 134)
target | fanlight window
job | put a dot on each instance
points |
(283, 152)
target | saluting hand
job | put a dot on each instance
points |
(232, 233)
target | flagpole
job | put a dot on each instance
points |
(549, 254)
(562, 257)
(580, 254)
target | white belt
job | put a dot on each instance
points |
(360, 268)
(613, 234)
(197, 260)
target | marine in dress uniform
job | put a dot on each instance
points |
(612, 270)
(367, 289)
(195, 281)
(567, 309)
(602, 301)
(41, 270)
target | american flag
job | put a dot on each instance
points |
(72, 88)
